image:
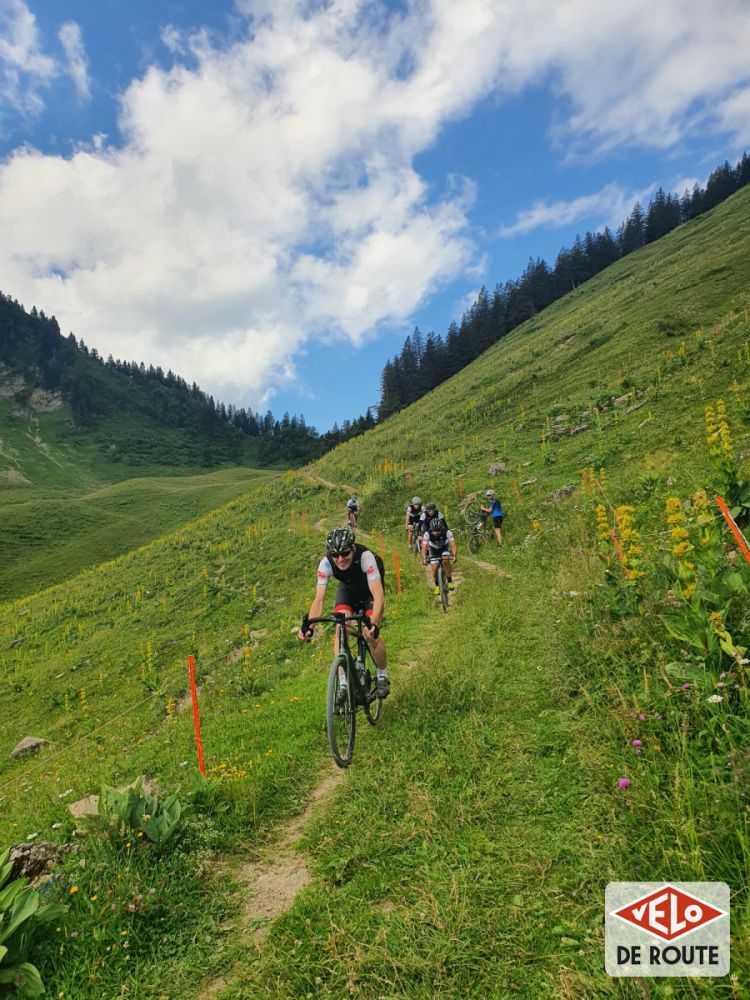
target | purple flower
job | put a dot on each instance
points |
(636, 743)
(623, 782)
(642, 716)
(686, 686)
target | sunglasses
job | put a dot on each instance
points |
(342, 555)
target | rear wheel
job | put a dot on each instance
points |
(341, 716)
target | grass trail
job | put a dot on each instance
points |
(464, 853)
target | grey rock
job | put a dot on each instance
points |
(29, 744)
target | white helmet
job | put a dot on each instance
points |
(416, 501)
(490, 493)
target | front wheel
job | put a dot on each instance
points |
(443, 584)
(341, 714)
(472, 513)
(475, 542)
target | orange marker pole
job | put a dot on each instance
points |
(196, 718)
(460, 486)
(721, 504)
(380, 542)
(397, 564)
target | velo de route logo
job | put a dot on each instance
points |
(667, 929)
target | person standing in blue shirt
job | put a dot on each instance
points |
(495, 508)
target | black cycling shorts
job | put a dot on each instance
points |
(497, 520)
(437, 555)
(349, 600)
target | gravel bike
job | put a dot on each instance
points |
(343, 701)
(479, 533)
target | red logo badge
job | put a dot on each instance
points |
(370, 570)
(669, 913)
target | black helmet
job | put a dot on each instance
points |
(430, 509)
(339, 540)
(436, 524)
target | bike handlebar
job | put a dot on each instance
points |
(336, 617)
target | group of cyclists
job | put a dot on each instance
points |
(359, 572)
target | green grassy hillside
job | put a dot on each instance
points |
(49, 539)
(467, 850)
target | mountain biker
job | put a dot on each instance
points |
(352, 511)
(439, 545)
(495, 508)
(429, 511)
(359, 573)
(414, 514)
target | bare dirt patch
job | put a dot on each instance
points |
(14, 477)
(275, 879)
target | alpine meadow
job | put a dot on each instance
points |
(578, 716)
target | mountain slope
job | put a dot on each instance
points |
(466, 853)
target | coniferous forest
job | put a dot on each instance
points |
(32, 345)
(426, 361)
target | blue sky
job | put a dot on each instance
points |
(268, 195)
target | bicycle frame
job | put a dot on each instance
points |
(340, 620)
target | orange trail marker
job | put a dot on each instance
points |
(721, 504)
(398, 572)
(196, 718)
(380, 542)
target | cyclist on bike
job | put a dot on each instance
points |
(359, 573)
(414, 515)
(439, 545)
(495, 508)
(352, 511)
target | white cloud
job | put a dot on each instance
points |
(734, 116)
(264, 194)
(24, 67)
(608, 206)
(75, 53)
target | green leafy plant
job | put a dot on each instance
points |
(134, 811)
(21, 917)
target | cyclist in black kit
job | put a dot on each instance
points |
(414, 514)
(439, 545)
(359, 573)
(353, 510)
